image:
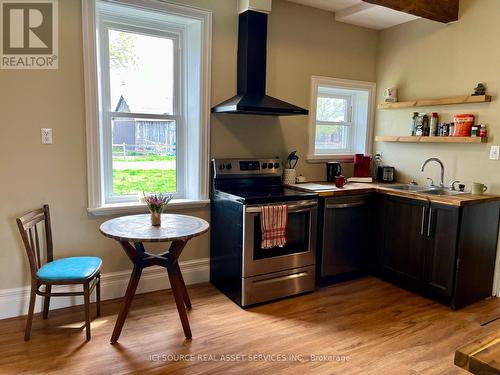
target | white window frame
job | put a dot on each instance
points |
(347, 155)
(98, 157)
(348, 122)
(108, 111)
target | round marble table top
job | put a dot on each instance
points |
(138, 228)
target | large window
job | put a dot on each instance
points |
(148, 108)
(140, 78)
(341, 118)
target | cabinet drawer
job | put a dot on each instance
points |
(278, 285)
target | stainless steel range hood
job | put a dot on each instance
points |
(251, 95)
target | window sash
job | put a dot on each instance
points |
(347, 104)
(336, 151)
(107, 114)
(341, 123)
(347, 123)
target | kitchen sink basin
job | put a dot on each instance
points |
(425, 189)
(440, 191)
(409, 187)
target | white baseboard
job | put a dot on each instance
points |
(14, 302)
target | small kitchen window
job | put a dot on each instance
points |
(340, 119)
(147, 85)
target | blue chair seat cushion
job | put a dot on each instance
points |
(73, 268)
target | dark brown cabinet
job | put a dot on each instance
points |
(445, 251)
(440, 253)
(402, 245)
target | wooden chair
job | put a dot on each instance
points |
(65, 271)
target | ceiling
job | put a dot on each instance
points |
(359, 13)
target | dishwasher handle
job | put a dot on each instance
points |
(345, 205)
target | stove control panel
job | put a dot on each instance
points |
(246, 167)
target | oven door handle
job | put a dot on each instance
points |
(297, 207)
(282, 278)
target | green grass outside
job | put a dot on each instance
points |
(133, 158)
(131, 181)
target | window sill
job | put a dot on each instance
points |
(326, 158)
(140, 208)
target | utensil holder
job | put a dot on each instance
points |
(289, 176)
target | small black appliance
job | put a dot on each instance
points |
(386, 174)
(333, 169)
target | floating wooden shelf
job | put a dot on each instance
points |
(418, 139)
(435, 102)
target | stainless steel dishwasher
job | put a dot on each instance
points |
(346, 236)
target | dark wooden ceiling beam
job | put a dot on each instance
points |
(444, 11)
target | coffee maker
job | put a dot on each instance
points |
(362, 165)
(333, 169)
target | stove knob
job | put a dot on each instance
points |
(276, 165)
(269, 165)
(264, 165)
(222, 166)
(228, 166)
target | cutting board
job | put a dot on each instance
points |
(309, 186)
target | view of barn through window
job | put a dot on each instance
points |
(143, 130)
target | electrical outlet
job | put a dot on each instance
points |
(494, 152)
(46, 134)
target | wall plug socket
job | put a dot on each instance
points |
(46, 135)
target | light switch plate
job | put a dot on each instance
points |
(46, 134)
(494, 152)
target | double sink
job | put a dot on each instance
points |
(433, 190)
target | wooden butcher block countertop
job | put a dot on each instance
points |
(327, 189)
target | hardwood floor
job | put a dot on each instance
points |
(380, 328)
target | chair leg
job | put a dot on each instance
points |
(98, 295)
(46, 301)
(179, 300)
(86, 297)
(31, 308)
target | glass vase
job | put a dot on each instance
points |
(155, 218)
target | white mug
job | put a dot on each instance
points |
(478, 188)
(391, 94)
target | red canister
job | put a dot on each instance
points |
(463, 125)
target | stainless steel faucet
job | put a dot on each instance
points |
(441, 183)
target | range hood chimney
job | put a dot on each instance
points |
(251, 95)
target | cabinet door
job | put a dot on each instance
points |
(440, 257)
(402, 248)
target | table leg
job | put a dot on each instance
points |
(175, 283)
(129, 296)
(182, 286)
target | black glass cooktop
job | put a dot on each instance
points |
(266, 195)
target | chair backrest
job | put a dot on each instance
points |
(28, 226)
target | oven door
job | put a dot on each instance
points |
(300, 249)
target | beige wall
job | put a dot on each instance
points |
(302, 42)
(426, 59)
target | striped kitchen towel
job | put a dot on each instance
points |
(273, 222)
